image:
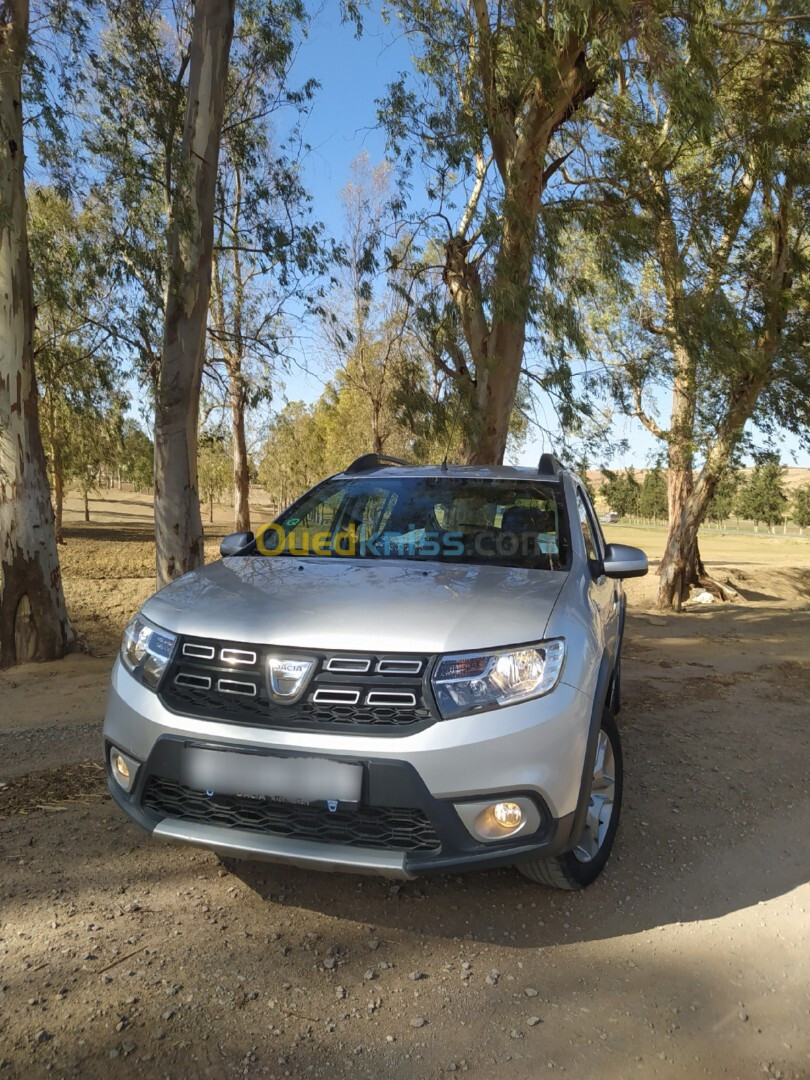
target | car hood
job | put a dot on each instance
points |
(386, 606)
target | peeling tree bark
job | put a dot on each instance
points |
(178, 523)
(33, 618)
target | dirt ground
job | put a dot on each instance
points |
(688, 958)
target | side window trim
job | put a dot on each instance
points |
(596, 538)
(593, 520)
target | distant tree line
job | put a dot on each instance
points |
(760, 497)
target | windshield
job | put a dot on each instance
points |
(437, 518)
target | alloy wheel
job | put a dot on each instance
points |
(600, 805)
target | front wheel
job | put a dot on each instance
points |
(578, 868)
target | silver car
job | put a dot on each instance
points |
(412, 670)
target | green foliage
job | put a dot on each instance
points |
(78, 375)
(687, 243)
(621, 491)
(482, 117)
(652, 502)
(762, 496)
(213, 467)
(136, 456)
(724, 499)
(800, 511)
(293, 458)
(132, 125)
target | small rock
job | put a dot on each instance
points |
(340, 992)
(42, 1036)
(533, 1021)
(330, 963)
(530, 991)
(370, 974)
(127, 1048)
(743, 1016)
(516, 1033)
(418, 1022)
(417, 975)
(373, 943)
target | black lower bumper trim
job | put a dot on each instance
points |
(390, 787)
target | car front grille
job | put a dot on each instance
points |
(221, 680)
(388, 827)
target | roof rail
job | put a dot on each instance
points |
(550, 465)
(368, 462)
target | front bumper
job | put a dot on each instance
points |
(534, 749)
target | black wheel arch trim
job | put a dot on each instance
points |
(599, 701)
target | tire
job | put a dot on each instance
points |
(575, 869)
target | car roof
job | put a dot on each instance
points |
(474, 472)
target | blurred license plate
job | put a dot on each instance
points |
(287, 778)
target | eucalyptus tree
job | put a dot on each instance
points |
(800, 507)
(178, 524)
(78, 375)
(493, 88)
(268, 251)
(33, 617)
(697, 209)
(763, 497)
(163, 204)
(371, 349)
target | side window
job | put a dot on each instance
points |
(592, 546)
(320, 518)
(377, 511)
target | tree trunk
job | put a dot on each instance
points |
(33, 618)
(376, 438)
(178, 523)
(86, 507)
(495, 394)
(241, 468)
(211, 508)
(495, 332)
(58, 497)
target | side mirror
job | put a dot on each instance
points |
(622, 561)
(235, 543)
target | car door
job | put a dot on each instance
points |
(604, 593)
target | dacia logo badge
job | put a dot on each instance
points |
(287, 676)
(331, 805)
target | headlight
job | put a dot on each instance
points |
(146, 650)
(472, 682)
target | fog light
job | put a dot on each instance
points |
(507, 814)
(123, 769)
